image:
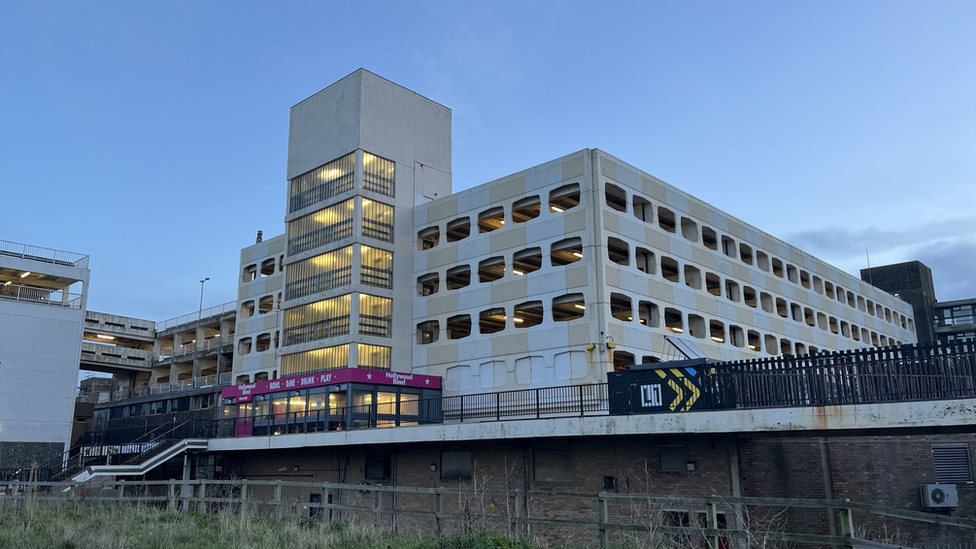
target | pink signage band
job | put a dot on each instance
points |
(244, 392)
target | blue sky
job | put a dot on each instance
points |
(152, 136)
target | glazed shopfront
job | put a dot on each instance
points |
(338, 400)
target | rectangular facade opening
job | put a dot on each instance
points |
(458, 327)
(618, 251)
(428, 332)
(620, 307)
(649, 314)
(528, 314)
(669, 269)
(428, 284)
(616, 198)
(526, 261)
(568, 307)
(491, 269)
(526, 209)
(666, 219)
(492, 320)
(693, 277)
(564, 198)
(643, 210)
(745, 253)
(428, 238)
(672, 320)
(689, 229)
(566, 251)
(713, 284)
(459, 229)
(644, 259)
(491, 219)
(458, 277)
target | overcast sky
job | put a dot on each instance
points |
(152, 136)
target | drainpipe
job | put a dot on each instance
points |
(596, 264)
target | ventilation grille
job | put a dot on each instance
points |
(952, 465)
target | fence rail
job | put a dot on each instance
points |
(44, 296)
(596, 517)
(39, 253)
(199, 315)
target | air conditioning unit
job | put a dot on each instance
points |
(935, 496)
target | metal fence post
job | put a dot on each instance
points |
(121, 495)
(171, 496)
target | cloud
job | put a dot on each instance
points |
(947, 247)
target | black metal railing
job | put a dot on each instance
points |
(377, 183)
(322, 192)
(875, 375)
(906, 373)
(375, 325)
(319, 237)
(322, 329)
(371, 276)
(319, 283)
(378, 230)
(576, 400)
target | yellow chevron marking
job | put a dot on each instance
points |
(660, 373)
(676, 372)
(680, 394)
(695, 393)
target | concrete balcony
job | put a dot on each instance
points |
(42, 296)
(113, 357)
(205, 316)
(118, 326)
(45, 255)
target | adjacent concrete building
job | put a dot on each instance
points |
(43, 294)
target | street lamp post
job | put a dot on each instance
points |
(200, 312)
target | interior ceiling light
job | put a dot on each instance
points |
(579, 306)
(103, 336)
(25, 275)
(578, 254)
(556, 209)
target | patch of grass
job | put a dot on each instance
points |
(150, 528)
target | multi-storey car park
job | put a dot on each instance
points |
(392, 302)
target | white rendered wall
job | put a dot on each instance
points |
(268, 323)
(40, 346)
(462, 362)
